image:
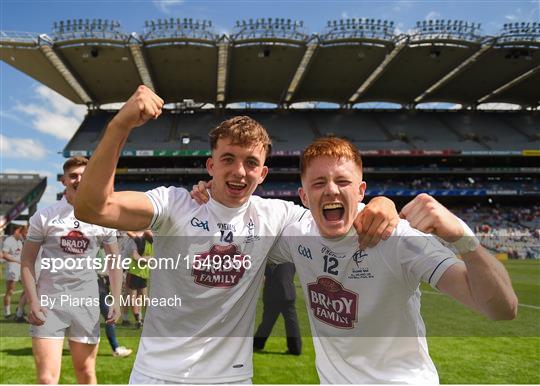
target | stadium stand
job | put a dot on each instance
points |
(464, 156)
(506, 229)
(19, 192)
(292, 130)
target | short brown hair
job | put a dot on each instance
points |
(243, 131)
(329, 147)
(75, 161)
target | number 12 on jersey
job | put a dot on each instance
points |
(330, 265)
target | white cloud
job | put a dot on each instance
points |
(303, 105)
(12, 117)
(399, 29)
(52, 113)
(112, 106)
(439, 106)
(236, 105)
(11, 147)
(526, 15)
(344, 15)
(498, 106)
(432, 15)
(402, 5)
(49, 196)
(165, 5)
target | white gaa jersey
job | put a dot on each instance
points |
(62, 236)
(14, 248)
(364, 305)
(207, 339)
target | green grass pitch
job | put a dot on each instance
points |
(465, 347)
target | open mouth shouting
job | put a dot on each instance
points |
(236, 187)
(333, 212)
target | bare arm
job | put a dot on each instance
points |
(7, 257)
(28, 272)
(115, 277)
(96, 201)
(483, 283)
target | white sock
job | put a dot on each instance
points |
(20, 312)
(7, 310)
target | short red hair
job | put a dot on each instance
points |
(329, 147)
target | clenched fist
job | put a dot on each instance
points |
(429, 216)
(142, 106)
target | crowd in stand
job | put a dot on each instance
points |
(503, 229)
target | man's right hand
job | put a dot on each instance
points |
(37, 315)
(200, 192)
(142, 106)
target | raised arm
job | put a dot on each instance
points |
(482, 283)
(96, 202)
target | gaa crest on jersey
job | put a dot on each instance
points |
(332, 304)
(74, 243)
(222, 267)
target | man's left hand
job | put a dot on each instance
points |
(376, 222)
(429, 216)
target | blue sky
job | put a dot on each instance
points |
(36, 123)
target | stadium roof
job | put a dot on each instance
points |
(277, 61)
(18, 193)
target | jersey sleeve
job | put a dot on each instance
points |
(8, 245)
(167, 202)
(421, 256)
(109, 236)
(37, 227)
(280, 252)
(293, 213)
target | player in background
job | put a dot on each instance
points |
(364, 304)
(209, 338)
(11, 252)
(61, 236)
(104, 288)
(139, 249)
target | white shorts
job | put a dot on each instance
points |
(79, 324)
(138, 378)
(13, 271)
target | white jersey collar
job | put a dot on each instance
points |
(217, 207)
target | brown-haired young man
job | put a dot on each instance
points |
(65, 300)
(208, 339)
(364, 304)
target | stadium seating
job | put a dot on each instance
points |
(292, 130)
(511, 230)
(19, 191)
